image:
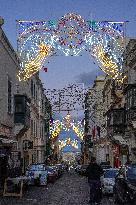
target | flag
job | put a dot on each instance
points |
(45, 69)
(98, 131)
(93, 132)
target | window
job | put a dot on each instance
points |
(36, 94)
(31, 127)
(9, 97)
(19, 107)
(34, 127)
(32, 91)
(42, 131)
(134, 97)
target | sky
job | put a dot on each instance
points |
(64, 70)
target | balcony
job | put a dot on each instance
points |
(22, 110)
(21, 114)
(116, 121)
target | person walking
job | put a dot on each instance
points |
(67, 167)
(94, 172)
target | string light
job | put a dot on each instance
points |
(68, 142)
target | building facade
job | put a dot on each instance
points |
(24, 113)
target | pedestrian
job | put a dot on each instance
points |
(67, 167)
(94, 172)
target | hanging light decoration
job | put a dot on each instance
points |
(71, 31)
(55, 129)
(71, 34)
(32, 66)
(66, 124)
(68, 142)
(78, 129)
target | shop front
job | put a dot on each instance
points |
(5, 156)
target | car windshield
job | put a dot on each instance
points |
(131, 172)
(36, 167)
(110, 173)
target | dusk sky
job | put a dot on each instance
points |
(63, 70)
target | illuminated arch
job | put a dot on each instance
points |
(37, 40)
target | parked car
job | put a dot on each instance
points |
(52, 174)
(125, 185)
(105, 165)
(37, 174)
(60, 169)
(82, 170)
(77, 168)
(56, 170)
(108, 180)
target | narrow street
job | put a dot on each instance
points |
(70, 189)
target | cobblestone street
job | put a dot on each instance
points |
(70, 189)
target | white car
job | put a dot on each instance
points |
(108, 180)
(78, 168)
(37, 174)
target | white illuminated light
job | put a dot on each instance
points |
(71, 34)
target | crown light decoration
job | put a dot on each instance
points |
(37, 40)
(68, 142)
(66, 124)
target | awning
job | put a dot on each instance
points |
(120, 139)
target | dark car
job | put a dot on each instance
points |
(60, 169)
(52, 174)
(105, 165)
(82, 170)
(125, 185)
(77, 168)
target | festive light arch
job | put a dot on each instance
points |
(66, 124)
(68, 142)
(37, 40)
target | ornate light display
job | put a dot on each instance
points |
(35, 44)
(68, 142)
(55, 128)
(78, 129)
(71, 34)
(66, 124)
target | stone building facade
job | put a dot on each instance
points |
(8, 68)
(130, 97)
(24, 125)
